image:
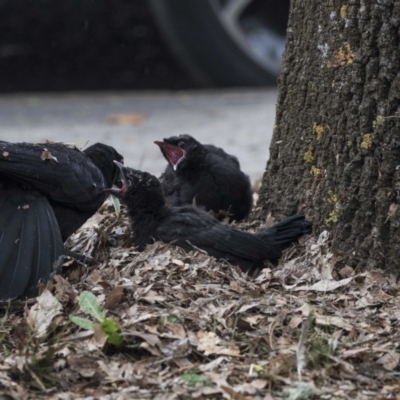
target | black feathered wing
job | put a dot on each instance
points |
(63, 173)
(188, 227)
(30, 242)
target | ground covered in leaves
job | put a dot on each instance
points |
(163, 324)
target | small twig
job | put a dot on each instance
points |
(300, 353)
(85, 260)
(36, 378)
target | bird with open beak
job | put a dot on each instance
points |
(205, 175)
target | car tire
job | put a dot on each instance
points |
(203, 45)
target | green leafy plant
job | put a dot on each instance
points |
(89, 305)
(167, 318)
(193, 377)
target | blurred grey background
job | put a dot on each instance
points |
(128, 72)
(58, 45)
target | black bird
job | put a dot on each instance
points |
(47, 191)
(190, 227)
(205, 175)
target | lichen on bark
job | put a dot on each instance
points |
(335, 152)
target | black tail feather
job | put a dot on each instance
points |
(13, 274)
(30, 243)
(286, 231)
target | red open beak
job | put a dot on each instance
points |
(174, 154)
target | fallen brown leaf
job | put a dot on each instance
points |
(114, 298)
(126, 119)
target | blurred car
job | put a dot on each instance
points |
(140, 44)
(225, 42)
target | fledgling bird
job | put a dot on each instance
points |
(205, 175)
(190, 227)
(47, 191)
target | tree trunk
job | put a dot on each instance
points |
(335, 152)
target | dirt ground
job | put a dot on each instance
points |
(164, 324)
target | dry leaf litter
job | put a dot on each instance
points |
(195, 328)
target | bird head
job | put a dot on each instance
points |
(139, 190)
(180, 150)
(103, 156)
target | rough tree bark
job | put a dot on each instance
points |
(335, 152)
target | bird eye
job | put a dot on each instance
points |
(181, 144)
(129, 182)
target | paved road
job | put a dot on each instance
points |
(239, 121)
